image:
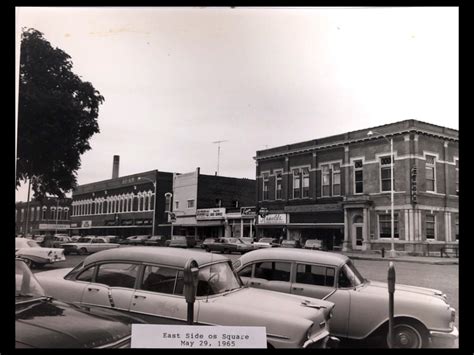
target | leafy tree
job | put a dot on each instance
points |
(57, 115)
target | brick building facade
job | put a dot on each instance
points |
(49, 215)
(212, 206)
(338, 188)
(122, 206)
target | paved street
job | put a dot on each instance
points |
(442, 277)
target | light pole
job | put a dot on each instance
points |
(168, 196)
(57, 215)
(392, 233)
(154, 203)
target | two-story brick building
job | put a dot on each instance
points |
(49, 215)
(122, 206)
(212, 206)
(338, 188)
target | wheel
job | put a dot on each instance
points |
(207, 249)
(407, 335)
(82, 251)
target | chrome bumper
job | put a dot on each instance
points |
(444, 339)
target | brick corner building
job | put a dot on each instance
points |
(338, 189)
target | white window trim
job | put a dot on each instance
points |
(262, 173)
(434, 227)
(379, 157)
(275, 172)
(436, 157)
(354, 169)
(378, 227)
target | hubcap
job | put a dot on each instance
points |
(406, 336)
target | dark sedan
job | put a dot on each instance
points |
(291, 244)
(229, 245)
(43, 322)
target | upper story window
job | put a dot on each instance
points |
(296, 183)
(38, 213)
(235, 203)
(336, 179)
(430, 226)
(358, 177)
(331, 179)
(278, 185)
(190, 203)
(430, 172)
(385, 225)
(326, 180)
(457, 177)
(22, 214)
(305, 182)
(265, 185)
(218, 202)
(43, 212)
(32, 211)
(385, 173)
(176, 205)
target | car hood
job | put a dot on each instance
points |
(376, 287)
(52, 324)
(280, 313)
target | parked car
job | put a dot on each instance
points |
(266, 243)
(315, 244)
(43, 322)
(182, 241)
(291, 244)
(59, 239)
(87, 245)
(111, 238)
(35, 255)
(247, 240)
(207, 241)
(423, 316)
(229, 245)
(156, 240)
(135, 240)
(148, 282)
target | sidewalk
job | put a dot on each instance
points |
(402, 258)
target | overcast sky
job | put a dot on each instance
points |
(175, 80)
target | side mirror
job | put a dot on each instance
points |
(191, 272)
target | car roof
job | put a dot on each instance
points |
(160, 255)
(303, 255)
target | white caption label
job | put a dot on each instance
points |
(197, 337)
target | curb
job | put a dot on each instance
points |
(434, 262)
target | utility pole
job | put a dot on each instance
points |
(218, 153)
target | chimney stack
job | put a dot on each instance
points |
(115, 168)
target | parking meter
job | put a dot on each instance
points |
(391, 291)
(191, 271)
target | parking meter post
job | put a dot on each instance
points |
(190, 276)
(391, 291)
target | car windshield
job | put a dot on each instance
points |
(27, 286)
(217, 278)
(84, 240)
(266, 240)
(350, 276)
(178, 237)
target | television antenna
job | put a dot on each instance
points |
(218, 153)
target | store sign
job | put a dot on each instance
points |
(86, 224)
(43, 226)
(277, 218)
(210, 213)
(248, 211)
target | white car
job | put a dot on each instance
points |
(86, 245)
(35, 255)
(147, 283)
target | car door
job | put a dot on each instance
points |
(319, 281)
(113, 286)
(271, 275)
(159, 296)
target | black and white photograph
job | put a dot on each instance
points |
(290, 174)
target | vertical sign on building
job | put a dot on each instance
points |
(413, 185)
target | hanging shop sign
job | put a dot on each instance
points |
(276, 218)
(248, 211)
(210, 213)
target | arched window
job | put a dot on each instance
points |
(66, 210)
(38, 213)
(53, 213)
(150, 194)
(139, 198)
(59, 212)
(145, 201)
(32, 212)
(43, 212)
